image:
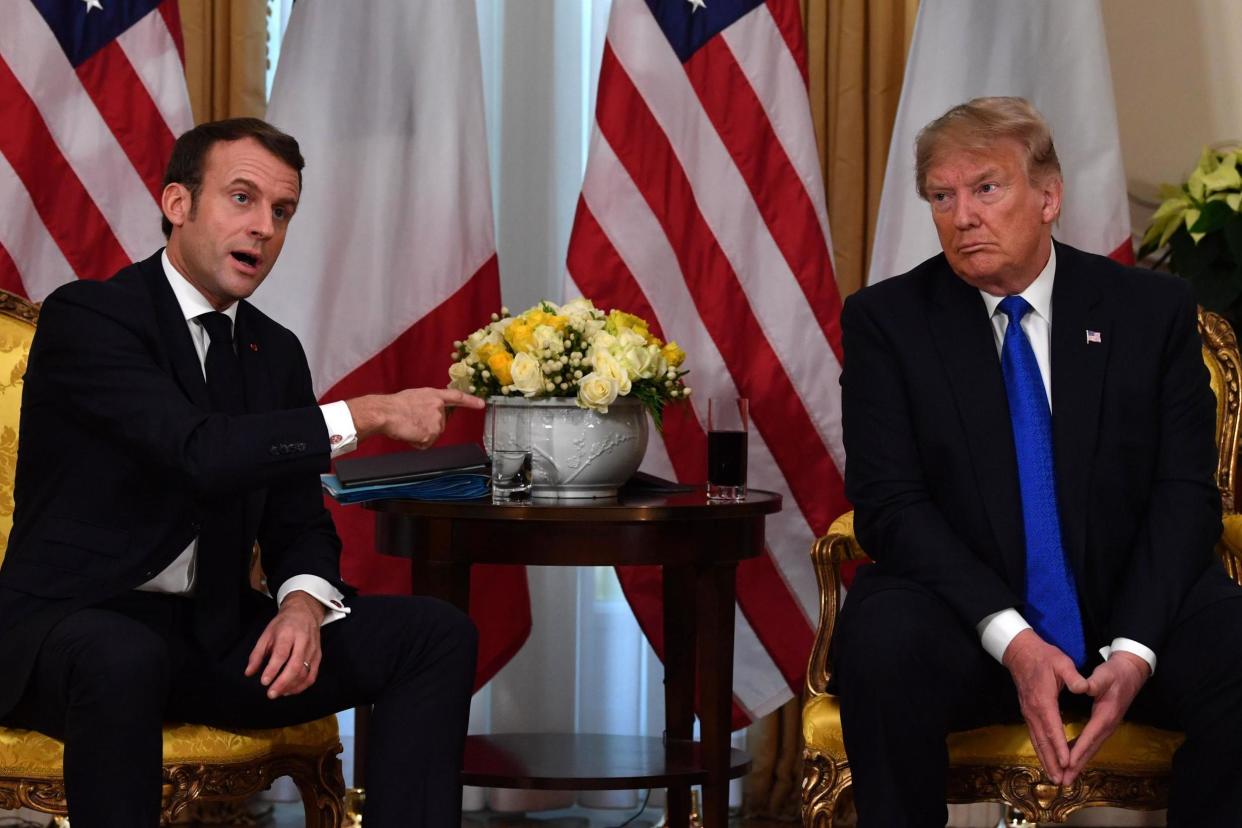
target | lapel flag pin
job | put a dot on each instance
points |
(254, 346)
(1094, 337)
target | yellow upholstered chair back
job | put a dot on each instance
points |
(1132, 769)
(17, 327)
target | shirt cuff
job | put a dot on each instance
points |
(998, 629)
(319, 589)
(342, 436)
(1129, 645)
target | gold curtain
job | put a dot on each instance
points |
(225, 57)
(856, 55)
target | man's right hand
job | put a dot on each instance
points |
(1039, 671)
(415, 415)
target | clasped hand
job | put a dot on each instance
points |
(1039, 672)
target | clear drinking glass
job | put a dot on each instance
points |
(728, 419)
(511, 456)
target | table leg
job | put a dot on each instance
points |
(679, 632)
(716, 588)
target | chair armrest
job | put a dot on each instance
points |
(827, 555)
(1230, 546)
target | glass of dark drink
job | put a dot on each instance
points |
(728, 418)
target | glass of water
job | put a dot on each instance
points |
(511, 455)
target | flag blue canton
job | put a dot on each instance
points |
(82, 32)
(687, 28)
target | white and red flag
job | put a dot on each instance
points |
(92, 96)
(703, 210)
(1054, 55)
(391, 255)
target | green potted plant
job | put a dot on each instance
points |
(1201, 222)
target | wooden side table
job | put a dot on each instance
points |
(697, 544)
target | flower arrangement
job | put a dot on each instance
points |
(572, 350)
(1201, 222)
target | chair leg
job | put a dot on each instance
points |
(323, 791)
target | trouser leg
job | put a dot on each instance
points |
(908, 671)
(412, 658)
(100, 684)
(1198, 681)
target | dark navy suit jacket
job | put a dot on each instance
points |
(121, 462)
(932, 471)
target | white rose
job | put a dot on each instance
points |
(547, 339)
(606, 365)
(602, 341)
(578, 310)
(481, 337)
(459, 377)
(527, 375)
(629, 338)
(597, 392)
(641, 362)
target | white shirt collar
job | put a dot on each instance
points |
(191, 301)
(1038, 293)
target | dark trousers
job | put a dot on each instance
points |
(908, 672)
(108, 677)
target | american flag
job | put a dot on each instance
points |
(92, 96)
(703, 209)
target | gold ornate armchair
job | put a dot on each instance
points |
(200, 763)
(1131, 770)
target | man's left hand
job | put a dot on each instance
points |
(1113, 685)
(290, 646)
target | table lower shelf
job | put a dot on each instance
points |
(586, 762)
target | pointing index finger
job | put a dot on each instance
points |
(453, 397)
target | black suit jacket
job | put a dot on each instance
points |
(121, 462)
(932, 470)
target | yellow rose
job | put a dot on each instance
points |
(620, 321)
(527, 375)
(596, 392)
(489, 349)
(521, 336)
(501, 364)
(673, 354)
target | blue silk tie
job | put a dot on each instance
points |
(1051, 598)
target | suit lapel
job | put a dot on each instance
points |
(187, 369)
(1078, 367)
(963, 335)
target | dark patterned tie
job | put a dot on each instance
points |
(220, 565)
(1051, 598)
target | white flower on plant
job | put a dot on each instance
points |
(527, 375)
(629, 338)
(459, 377)
(606, 365)
(602, 341)
(481, 337)
(641, 362)
(597, 392)
(547, 340)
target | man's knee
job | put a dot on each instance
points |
(130, 669)
(883, 637)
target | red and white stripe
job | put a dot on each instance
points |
(703, 210)
(82, 151)
(391, 254)
(1053, 54)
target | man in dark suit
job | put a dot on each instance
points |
(1029, 431)
(166, 425)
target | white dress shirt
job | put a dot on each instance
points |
(1000, 628)
(178, 577)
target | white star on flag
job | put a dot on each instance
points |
(698, 4)
(93, 4)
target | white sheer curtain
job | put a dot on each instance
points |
(586, 667)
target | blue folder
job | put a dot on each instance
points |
(445, 487)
